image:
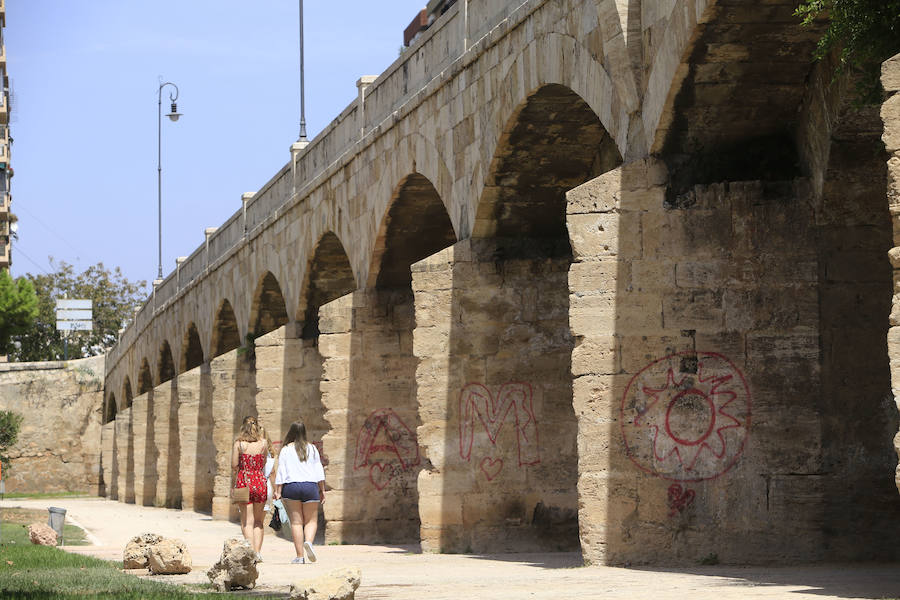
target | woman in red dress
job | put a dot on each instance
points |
(248, 459)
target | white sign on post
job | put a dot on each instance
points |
(74, 315)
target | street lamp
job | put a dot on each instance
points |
(173, 116)
(302, 137)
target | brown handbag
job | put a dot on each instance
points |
(240, 495)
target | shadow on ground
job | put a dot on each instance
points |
(853, 580)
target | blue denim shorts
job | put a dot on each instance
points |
(304, 491)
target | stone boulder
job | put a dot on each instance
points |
(137, 551)
(169, 557)
(41, 534)
(236, 567)
(339, 584)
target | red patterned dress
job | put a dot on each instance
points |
(251, 475)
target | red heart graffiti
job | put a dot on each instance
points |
(380, 475)
(679, 499)
(491, 467)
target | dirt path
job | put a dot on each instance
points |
(399, 573)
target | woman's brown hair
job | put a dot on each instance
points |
(297, 435)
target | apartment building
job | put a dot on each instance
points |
(424, 18)
(7, 218)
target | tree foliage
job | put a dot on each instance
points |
(114, 300)
(18, 308)
(865, 32)
(9, 433)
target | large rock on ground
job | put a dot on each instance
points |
(169, 557)
(236, 567)
(137, 551)
(41, 534)
(339, 584)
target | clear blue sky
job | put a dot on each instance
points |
(85, 78)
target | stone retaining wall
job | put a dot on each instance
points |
(58, 449)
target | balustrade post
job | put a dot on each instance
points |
(361, 84)
(246, 197)
(208, 232)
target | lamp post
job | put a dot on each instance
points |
(173, 115)
(302, 137)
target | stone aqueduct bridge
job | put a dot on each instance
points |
(570, 273)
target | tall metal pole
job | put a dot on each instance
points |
(302, 137)
(159, 178)
(173, 98)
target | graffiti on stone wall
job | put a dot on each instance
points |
(679, 499)
(686, 417)
(386, 447)
(479, 407)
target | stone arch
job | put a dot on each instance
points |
(126, 393)
(145, 378)
(166, 363)
(225, 334)
(109, 413)
(192, 349)
(552, 142)
(415, 226)
(582, 73)
(510, 343)
(731, 113)
(268, 311)
(412, 154)
(382, 401)
(329, 276)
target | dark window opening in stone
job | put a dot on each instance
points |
(145, 379)
(416, 226)
(126, 392)
(554, 143)
(192, 356)
(166, 363)
(269, 312)
(225, 331)
(329, 277)
(109, 414)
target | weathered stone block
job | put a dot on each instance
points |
(890, 114)
(890, 74)
(599, 195)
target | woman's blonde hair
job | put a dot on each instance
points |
(249, 430)
(297, 435)
(264, 435)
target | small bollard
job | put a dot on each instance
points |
(56, 522)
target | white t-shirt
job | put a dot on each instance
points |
(291, 470)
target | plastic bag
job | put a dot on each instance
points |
(275, 523)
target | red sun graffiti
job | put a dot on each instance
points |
(686, 426)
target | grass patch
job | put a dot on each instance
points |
(29, 496)
(43, 573)
(14, 524)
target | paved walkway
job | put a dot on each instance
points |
(400, 573)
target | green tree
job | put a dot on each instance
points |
(18, 308)
(865, 32)
(114, 299)
(9, 432)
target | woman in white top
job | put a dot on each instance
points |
(300, 481)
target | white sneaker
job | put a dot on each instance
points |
(310, 553)
(298, 561)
